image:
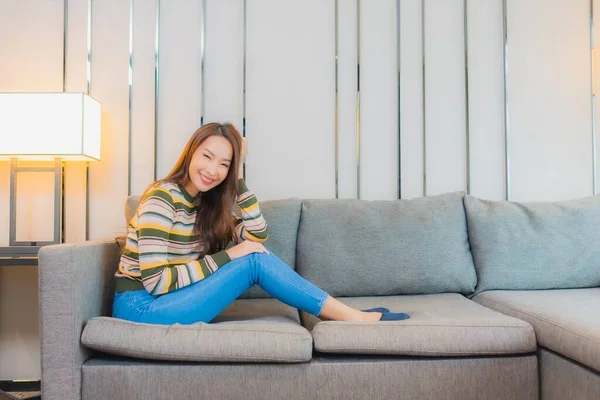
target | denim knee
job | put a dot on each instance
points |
(261, 257)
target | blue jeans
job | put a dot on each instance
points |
(204, 300)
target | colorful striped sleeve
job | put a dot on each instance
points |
(157, 232)
(252, 225)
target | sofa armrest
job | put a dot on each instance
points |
(75, 284)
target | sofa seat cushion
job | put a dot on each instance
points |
(566, 321)
(440, 325)
(250, 330)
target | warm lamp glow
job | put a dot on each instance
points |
(47, 125)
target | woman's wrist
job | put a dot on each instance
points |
(241, 186)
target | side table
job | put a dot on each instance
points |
(18, 389)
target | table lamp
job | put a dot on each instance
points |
(42, 127)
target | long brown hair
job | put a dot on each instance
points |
(215, 224)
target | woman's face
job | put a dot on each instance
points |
(209, 165)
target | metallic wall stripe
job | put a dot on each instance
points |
(63, 217)
(245, 29)
(88, 74)
(506, 115)
(399, 99)
(467, 103)
(63, 225)
(202, 53)
(59, 196)
(87, 200)
(130, 82)
(593, 92)
(88, 70)
(62, 221)
(336, 111)
(358, 132)
(65, 30)
(156, 71)
(424, 127)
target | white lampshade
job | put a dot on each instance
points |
(45, 125)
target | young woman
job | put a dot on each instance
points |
(176, 267)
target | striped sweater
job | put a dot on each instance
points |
(162, 252)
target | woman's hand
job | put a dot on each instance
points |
(245, 248)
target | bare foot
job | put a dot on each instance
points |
(370, 316)
(335, 310)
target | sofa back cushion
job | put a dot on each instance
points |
(131, 206)
(538, 245)
(369, 248)
(282, 216)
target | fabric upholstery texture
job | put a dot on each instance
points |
(513, 378)
(542, 245)
(75, 284)
(257, 330)
(561, 379)
(377, 248)
(440, 325)
(566, 321)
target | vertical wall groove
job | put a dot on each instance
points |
(130, 83)
(245, 29)
(336, 111)
(65, 30)
(202, 53)
(64, 89)
(424, 115)
(398, 69)
(593, 94)
(467, 103)
(358, 131)
(506, 114)
(156, 85)
(88, 74)
(88, 70)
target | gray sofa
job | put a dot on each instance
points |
(504, 299)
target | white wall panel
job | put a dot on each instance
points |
(31, 36)
(77, 46)
(76, 81)
(290, 98)
(347, 98)
(486, 99)
(549, 97)
(142, 96)
(179, 90)
(445, 125)
(109, 77)
(379, 101)
(224, 63)
(31, 60)
(31, 45)
(411, 99)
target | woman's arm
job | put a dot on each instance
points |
(156, 227)
(252, 226)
